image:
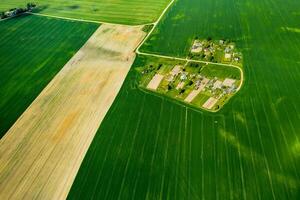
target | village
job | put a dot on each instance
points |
(218, 51)
(194, 85)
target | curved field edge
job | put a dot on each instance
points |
(33, 50)
(134, 12)
(161, 65)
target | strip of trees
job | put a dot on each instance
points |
(17, 11)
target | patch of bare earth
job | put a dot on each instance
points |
(41, 154)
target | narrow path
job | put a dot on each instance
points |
(177, 58)
(197, 61)
(84, 20)
(154, 26)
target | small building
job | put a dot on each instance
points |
(183, 77)
(217, 85)
(227, 50)
(197, 47)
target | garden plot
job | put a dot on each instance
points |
(209, 104)
(191, 82)
(154, 83)
(42, 152)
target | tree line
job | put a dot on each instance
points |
(17, 11)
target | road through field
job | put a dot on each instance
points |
(41, 154)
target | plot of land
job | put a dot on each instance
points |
(154, 83)
(41, 153)
(163, 150)
(194, 93)
(210, 103)
(187, 82)
(116, 11)
(32, 51)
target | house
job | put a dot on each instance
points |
(217, 85)
(183, 77)
(197, 47)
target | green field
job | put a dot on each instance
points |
(32, 51)
(149, 147)
(114, 11)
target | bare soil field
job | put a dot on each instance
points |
(154, 83)
(41, 154)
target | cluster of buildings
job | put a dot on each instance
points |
(209, 49)
(215, 88)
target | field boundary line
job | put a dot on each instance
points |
(88, 21)
(154, 26)
(178, 58)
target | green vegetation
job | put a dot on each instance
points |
(220, 71)
(150, 147)
(217, 51)
(147, 28)
(32, 51)
(186, 82)
(13, 12)
(116, 11)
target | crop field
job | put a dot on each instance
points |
(116, 11)
(150, 147)
(32, 50)
(188, 19)
(42, 152)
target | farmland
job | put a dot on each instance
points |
(151, 147)
(42, 152)
(33, 50)
(117, 11)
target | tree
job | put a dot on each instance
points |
(159, 66)
(2, 15)
(30, 6)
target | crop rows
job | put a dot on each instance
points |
(150, 147)
(33, 50)
(117, 11)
